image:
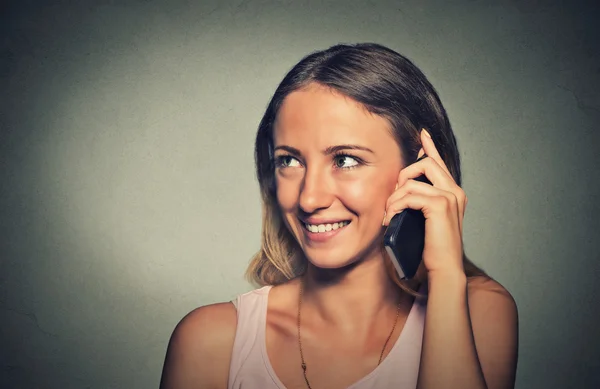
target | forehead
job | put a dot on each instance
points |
(324, 116)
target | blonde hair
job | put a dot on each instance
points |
(386, 84)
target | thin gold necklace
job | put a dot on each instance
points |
(300, 339)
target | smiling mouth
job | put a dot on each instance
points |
(319, 228)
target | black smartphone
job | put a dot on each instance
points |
(404, 238)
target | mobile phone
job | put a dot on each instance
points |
(404, 238)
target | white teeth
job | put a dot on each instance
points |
(325, 227)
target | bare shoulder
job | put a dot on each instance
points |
(199, 351)
(494, 319)
(491, 306)
(486, 293)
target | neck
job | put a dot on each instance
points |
(351, 298)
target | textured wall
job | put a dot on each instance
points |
(127, 190)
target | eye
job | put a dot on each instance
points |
(286, 161)
(343, 161)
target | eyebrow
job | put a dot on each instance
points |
(328, 151)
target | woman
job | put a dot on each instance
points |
(334, 154)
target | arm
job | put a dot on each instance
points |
(470, 336)
(200, 348)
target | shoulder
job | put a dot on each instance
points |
(494, 320)
(486, 295)
(199, 350)
(208, 325)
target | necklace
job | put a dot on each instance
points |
(300, 339)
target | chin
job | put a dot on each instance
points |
(332, 259)
(338, 258)
(332, 265)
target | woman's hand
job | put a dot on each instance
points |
(442, 203)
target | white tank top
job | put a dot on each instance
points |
(250, 367)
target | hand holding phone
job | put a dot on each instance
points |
(404, 238)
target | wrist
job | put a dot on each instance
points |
(449, 278)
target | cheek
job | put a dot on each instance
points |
(286, 195)
(369, 194)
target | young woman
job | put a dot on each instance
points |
(335, 157)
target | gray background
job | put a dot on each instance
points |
(128, 195)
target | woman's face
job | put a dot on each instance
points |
(336, 165)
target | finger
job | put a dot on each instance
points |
(438, 177)
(430, 149)
(426, 204)
(421, 188)
(431, 169)
(439, 200)
(417, 187)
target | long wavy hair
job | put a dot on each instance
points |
(386, 84)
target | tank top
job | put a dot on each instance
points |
(250, 367)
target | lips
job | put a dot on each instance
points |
(325, 227)
(323, 230)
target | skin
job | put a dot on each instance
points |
(470, 334)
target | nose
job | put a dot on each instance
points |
(315, 191)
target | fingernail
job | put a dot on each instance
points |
(383, 221)
(396, 188)
(421, 152)
(427, 133)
